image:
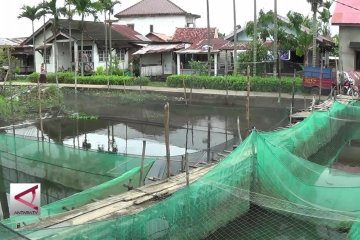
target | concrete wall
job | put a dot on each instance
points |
(162, 24)
(348, 34)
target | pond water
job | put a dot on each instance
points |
(203, 130)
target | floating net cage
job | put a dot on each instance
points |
(267, 188)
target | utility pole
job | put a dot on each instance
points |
(208, 37)
(235, 40)
(275, 38)
(255, 39)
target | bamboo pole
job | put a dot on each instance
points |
(321, 74)
(166, 128)
(238, 128)
(248, 98)
(141, 183)
(185, 97)
(187, 169)
(293, 91)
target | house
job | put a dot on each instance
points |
(161, 16)
(158, 59)
(293, 61)
(23, 54)
(68, 47)
(348, 20)
(198, 50)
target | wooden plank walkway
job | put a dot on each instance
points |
(124, 204)
(324, 106)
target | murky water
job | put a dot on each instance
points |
(202, 130)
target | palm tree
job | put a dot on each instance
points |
(31, 13)
(83, 8)
(51, 8)
(70, 13)
(315, 4)
(107, 6)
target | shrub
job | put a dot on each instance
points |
(34, 77)
(238, 83)
(100, 70)
(141, 81)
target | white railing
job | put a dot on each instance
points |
(149, 71)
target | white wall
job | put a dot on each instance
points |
(64, 61)
(162, 24)
(39, 41)
(348, 34)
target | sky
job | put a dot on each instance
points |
(221, 13)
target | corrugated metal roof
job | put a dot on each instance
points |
(11, 41)
(202, 46)
(159, 48)
(344, 15)
(152, 8)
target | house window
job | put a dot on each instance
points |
(85, 56)
(151, 28)
(132, 26)
(102, 56)
(47, 56)
(120, 53)
(357, 60)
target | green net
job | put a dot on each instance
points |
(64, 165)
(355, 231)
(104, 190)
(9, 234)
(268, 171)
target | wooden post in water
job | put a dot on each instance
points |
(248, 98)
(166, 128)
(185, 97)
(141, 183)
(187, 169)
(238, 128)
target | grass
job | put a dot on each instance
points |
(157, 84)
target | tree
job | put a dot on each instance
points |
(106, 6)
(51, 8)
(315, 5)
(303, 37)
(245, 58)
(32, 13)
(83, 8)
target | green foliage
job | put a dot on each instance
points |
(68, 77)
(246, 58)
(83, 116)
(100, 70)
(200, 68)
(238, 83)
(141, 81)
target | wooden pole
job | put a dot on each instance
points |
(166, 127)
(275, 39)
(238, 128)
(208, 38)
(255, 39)
(184, 85)
(337, 78)
(208, 139)
(293, 92)
(235, 44)
(141, 183)
(248, 98)
(321, 73)
(187, 169)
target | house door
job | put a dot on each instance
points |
(357, 60)
(168, 63)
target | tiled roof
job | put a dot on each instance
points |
(128, 32)
(344, 15)
(193, 35)
(158, 37)
(151, 8)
